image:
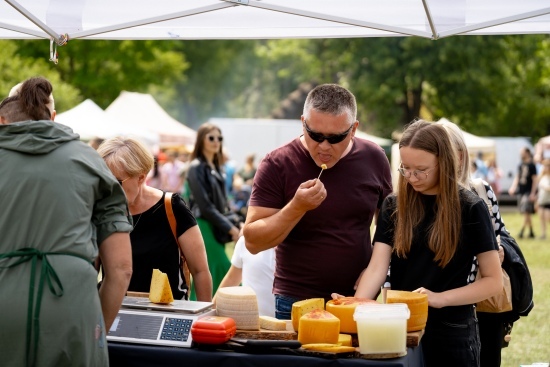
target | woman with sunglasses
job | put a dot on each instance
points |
(153, 243)
(208, 199)
(430, 231)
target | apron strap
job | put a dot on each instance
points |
(48, 275)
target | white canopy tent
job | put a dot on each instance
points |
(265, 19)
(138, 110)
(89, 121)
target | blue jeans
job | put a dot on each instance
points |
(283, 306)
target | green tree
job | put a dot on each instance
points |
(16, 68)
(102, 69)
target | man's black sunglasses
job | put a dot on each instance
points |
(332, 139)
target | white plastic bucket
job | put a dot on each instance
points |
(382, 328)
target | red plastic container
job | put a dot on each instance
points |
(213, 330)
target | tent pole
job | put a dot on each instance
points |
(492, 23)
(157, 19)
(335, 19)
(430, 20)
(36, 21)
(30, 32)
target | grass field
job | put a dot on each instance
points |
(531, 335)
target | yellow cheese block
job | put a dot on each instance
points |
(330, 348)
(300, 308)
(319, 326)
(160, 291)
(343, 308)
(271, 323)
(344, 339)
(418, 306)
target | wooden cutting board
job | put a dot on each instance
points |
(413, 337)
(288, 334)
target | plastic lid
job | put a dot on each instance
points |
(382, 311)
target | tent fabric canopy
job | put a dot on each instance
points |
(88, 120)
(267, 19)
(142, 111)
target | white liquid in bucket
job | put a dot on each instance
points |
(382, 336)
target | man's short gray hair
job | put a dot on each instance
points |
(332, 99)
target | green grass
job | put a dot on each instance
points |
(531, 335)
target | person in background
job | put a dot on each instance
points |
(492, 326)
(249, 170)
(525, 184)
(61, 206)
(229, 167)
(171, 173)
(254, 271)
(96, 142)
(494, 174)
(543, 199)
(153, 242)
(208, 200)
(318, 224)
(430, 231)
(481, 167)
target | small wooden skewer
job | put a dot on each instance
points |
(323, 167)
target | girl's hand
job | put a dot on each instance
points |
(435, 300)
(336, 295)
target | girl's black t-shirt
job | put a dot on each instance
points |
(154, 246)
(419, 269)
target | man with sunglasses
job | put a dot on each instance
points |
(319, 226)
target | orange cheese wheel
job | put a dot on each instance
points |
(343, 308)
(418, 306)
(319, 326)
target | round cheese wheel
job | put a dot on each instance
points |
(343, 308)
(418, 306)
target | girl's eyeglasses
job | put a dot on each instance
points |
(421, 175)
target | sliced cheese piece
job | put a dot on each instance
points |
(160, 291)
(344, 339)
(418, 307)
(300, 308)
(319, 326)
(330, 348)
(271, 323)
(241, 304)
(343, 308)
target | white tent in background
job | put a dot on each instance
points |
(89, 121)
(384, 143)
(141, 110)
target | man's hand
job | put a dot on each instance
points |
(310, 195)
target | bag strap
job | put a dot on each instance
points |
(172, 221)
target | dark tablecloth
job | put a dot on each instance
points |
(137, 355)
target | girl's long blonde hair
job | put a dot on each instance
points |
(444, 233)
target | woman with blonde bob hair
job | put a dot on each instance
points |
(430, 231)
(153, 243)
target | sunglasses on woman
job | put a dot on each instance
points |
(212, 138)
(332, 139)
